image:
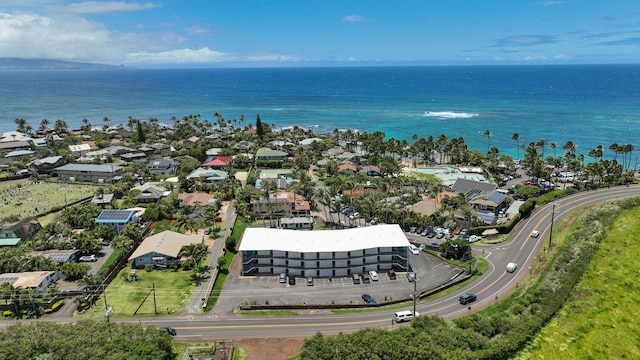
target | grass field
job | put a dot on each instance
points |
(172, 291)
(599, 321)
(25, 198)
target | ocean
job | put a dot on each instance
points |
(589, 105)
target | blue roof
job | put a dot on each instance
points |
(115, 216)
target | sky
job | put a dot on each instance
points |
(267, 33)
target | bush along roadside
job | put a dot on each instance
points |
(492, 336)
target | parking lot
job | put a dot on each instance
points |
(268, 290)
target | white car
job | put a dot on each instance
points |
(373, 275)
(414, 250)
(535, 233)
(511, 267)
(88, 258)
(474, 238)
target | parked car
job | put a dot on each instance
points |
(535, 233)
(292, 280)
(457, 230)
(88, 258)
(411, 276)
(368, 299)
(431, 234)
(207, 231)
(309, 281)
(355, 278)
(374, 275)
(467, 298)
(474, 238)
(391, 274)
(414, 242)
(283, 278)
(366, 278)
(171, 331)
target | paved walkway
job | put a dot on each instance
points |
(203, 289)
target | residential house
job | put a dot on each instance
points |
(295, 223)
(196, 199)
(209, 176)
(190, 141)
(162, 149)
(46, 165)
(488, 203)
(266, 154)
(163, 167)
(37, 280)
(348, 167)
(281, 183)
(333, 152)
(243, 146)
(371, 170)
(16, 233)
(14, 146)
(102, 200)
(150, 192)
(218, 162)
(117, 219)
(162, 249)
(88, 172)
(59, 256)
(283, 203)
(79, 150)
(13, 136)
(213, 152)
(133, 156)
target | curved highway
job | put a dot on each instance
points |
(491, 286)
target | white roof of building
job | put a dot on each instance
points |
(388, 235)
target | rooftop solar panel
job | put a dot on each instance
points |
(115, 215)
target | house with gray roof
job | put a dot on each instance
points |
(88, 172)
(162, 249)
(163, 167)
(45, 165)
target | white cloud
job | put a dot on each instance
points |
(96, 7)
(204, 55)
(354, 18)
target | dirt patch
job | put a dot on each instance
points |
(270, 349)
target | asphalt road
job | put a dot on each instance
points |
(495, 282)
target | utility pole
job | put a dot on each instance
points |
(553, 211)
(415, 295)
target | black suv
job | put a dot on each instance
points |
(467, 298)
(391, 274)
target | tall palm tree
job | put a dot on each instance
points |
(488, 134)
(516, 137)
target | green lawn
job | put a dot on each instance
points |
(172, 291)
(22, 197)
(599, 319)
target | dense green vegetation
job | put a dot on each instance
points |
(498, 336)
(597, 321)
(85, 340)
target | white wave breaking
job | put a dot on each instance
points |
(449, 114)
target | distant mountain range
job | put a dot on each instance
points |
(46, 64)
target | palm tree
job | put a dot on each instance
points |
(515, 137)
(43, 125)
(195, 252)
(488, 134)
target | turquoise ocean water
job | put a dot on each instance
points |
(587, 104)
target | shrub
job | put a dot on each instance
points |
(148, 268)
